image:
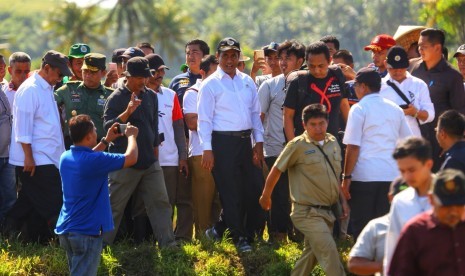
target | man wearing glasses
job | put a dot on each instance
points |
(36, 147)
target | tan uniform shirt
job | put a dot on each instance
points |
(311, 180)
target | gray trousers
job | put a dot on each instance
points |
(151, 186)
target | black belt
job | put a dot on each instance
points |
(241, 133)
(323, 207)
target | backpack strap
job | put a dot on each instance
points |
(398, 91)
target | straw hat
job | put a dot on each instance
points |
(406, 35)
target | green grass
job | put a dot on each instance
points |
(197, 258)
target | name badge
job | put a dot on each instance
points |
(309, 152)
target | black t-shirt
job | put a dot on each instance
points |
(327, 91)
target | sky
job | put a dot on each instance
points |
(104, 4)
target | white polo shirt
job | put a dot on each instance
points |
(36, 121)
(169, 111)
(228, 104)
(416, 92)
(405, 205)
(375, 125)
(190, 106)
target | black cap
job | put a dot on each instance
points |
(397, 186)
(94, 62)
(156, 62)
(397, 58)
(228, 43)
(138, 67)
(460, 50)
(58, 60)
(133, 52)
(116, 56)
(270, 48)
(368, 75)
(449, 187)
(146, 45)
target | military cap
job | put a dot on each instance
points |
(78, 50)
(94, 62)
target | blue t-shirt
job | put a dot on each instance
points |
(181, 82)
(86, 203)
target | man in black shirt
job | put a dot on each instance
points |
(319, 85)
(134, 103)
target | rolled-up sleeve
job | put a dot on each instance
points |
(205, 107)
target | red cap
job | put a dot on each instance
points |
(381, 42)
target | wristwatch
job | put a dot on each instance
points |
(105, 142)
(416, 114)
(349, 176)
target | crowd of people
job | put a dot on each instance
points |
(303, 146)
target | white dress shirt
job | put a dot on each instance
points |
(36, 121)
(416, 92)
(189, 105)
(405, 205)
(375, 125)
(228, 104)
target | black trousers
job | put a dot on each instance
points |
(239, 185)
(36, 211)
(280, 220)
(369, 200)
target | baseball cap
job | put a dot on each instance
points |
(228, 43)
(133, 52)
(272, 47)
(138, 67)
(397, 186)
(460, 50)
(380, 42)
(94, 62)
(116, 56)
(183, 67)
(397, 58)
(145, 45)
(58, 60)
(368, 75)
(156, 62)
(78, 50)
(449, 187)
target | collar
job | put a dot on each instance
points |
(80, 148)
(190, 74)
(369, 96)
(459, 145)
(42, 82)
(99, 89)
(328, 138)
(388, 77)
(221, 73)
(441, 66)
(432, 222)
(127, 91)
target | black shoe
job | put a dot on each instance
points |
(211, 234)
(243, 245)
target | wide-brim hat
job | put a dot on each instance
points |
(407, 35)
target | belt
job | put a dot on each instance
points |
(241, 133)
(323, 207)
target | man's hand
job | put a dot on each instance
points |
(111, 77)
(265, 202)
(113, 133)
(258, 64)
(347, 71)
(258, 158)
(131, 131)
(133, 104)
(345, 209)
(183, 167)
(29, 164)
(411, 110)
(208, 160)
(345, 188)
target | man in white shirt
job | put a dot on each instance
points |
(36, 147)
(271, 94)
(415, 161)
(373, 129)
(229, 113)
(19, 68)
(205, 201)
(407, 91)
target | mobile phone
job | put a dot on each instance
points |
(122, 128)
(403, 106)
(112, 66)
(183, 171)
(161, 137)
(258, 54)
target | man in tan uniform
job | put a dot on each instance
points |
(313, 161)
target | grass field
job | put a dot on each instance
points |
(196, 258)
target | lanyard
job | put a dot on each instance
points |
(322, 94)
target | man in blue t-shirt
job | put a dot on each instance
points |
(86, 211)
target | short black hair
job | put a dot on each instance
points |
(292, 47)
(331, 39)
(207, 61)
(146, 45)
(202, 44)
(416, 147)
(79, 127)
(434, 36)
(317, 48)
(314, 111)
(345, 55)
(452, 122)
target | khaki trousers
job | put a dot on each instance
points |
(319, 246)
